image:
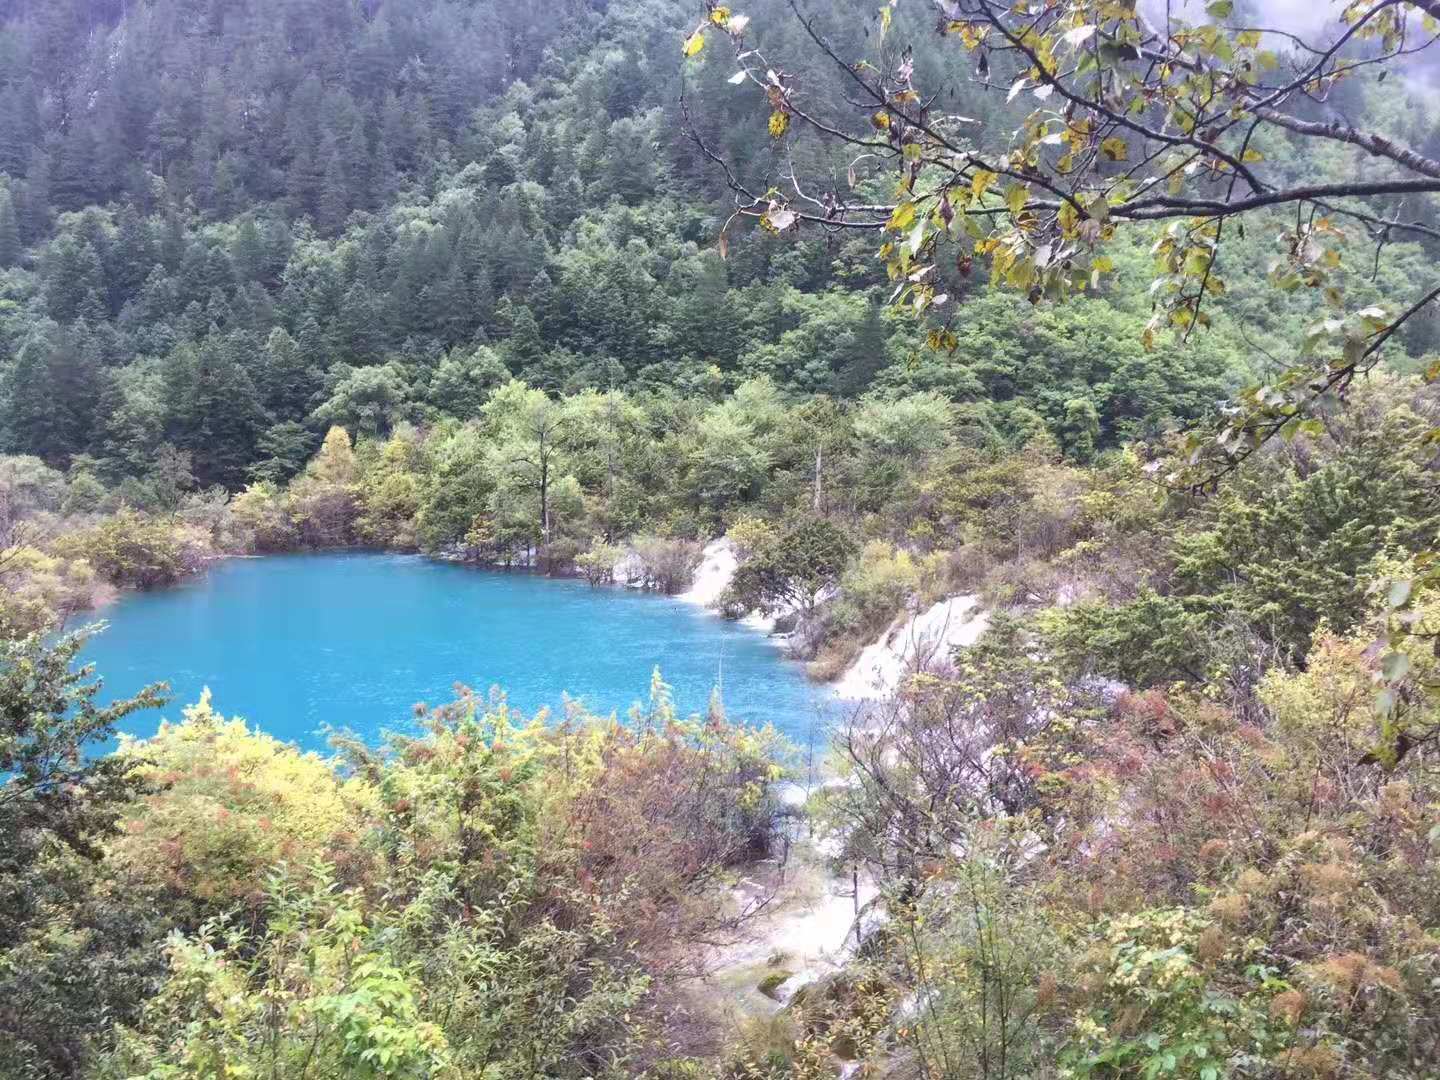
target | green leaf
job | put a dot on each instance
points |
(1400, 592)
(1219, 9)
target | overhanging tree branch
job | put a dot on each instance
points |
(1373, 143)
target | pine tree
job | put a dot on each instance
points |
(247, 252)
(9, 230)
(361, 337)
(27, 420)
(291, 377)
(306, 175)
(134, 251)
(73, 275)
(73, 180)
(227, 418)
(17, 128)
(35, 220)
(384, 178)
(334, 202)
(129, 424)
(448, 302)
(76, 364)
(524, 345)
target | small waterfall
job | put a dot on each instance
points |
(712, 576)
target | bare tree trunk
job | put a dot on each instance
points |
(855, 894)
(544, 497)
(819, 464)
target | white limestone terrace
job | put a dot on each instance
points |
(912, 644)
(712, 576)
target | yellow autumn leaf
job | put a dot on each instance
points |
(901, 217)
(720, 16)
(779, 123)
(1252, 155)
(1016, 197)
(1114, 148)
(694, 43)
(1069, 217)
(981, 181)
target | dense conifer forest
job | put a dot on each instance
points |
(1117, 325)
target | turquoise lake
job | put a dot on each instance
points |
(294, 643)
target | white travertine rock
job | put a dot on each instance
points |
(910, 644)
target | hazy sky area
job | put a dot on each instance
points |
(1312, 19)
(1316, 21)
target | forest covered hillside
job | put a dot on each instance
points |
(224, 227)
(1114, 327)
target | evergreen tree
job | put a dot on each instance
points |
(226, 416)
(334, 199)
(133, 252)
(291, 378)
(35, 218)
(18, 125)
(247, 252)
(29, 421)
(9, 230)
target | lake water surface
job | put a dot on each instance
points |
(297, 642)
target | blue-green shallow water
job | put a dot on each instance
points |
(296, 642)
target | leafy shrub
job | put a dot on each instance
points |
(667, 564)
(982, 969)
(263, 513)
(231, 804)
(560, 555)
(598, 564)
(38, 592)
(321, 990)
(881, 582)
(133, 549)
(1166, 994)
(750, 534)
